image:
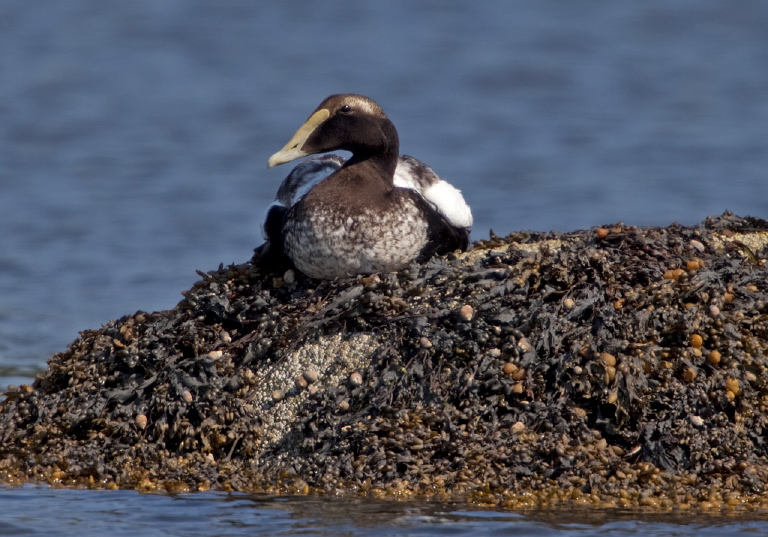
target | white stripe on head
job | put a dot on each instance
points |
(366, 105)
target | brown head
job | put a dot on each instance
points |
(345, 122)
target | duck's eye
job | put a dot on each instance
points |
(346, 109)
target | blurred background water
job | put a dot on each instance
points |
(134, 135)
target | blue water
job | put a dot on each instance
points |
(134, 135)
(35, 511)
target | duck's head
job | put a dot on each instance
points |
(344, 122)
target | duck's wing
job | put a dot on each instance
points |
(443, 197)
(270, 256)
(300, 181)
(305, 176)
(410, 173)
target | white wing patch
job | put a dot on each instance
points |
(449, 202)
(405, 175)
(446, 199)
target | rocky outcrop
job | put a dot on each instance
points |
(614, 366)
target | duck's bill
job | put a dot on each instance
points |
(293, 149)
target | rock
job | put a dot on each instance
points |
(506, 376)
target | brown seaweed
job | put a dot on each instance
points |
(616, 366)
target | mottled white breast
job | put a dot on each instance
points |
(325, 243)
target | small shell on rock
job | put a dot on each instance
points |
(141, 421)
(344, 405)
(300, 382)
(523, 345)
(289, 277)
(215, 355)
(278, 395)
(225, 337)
(186, 395)
(673, 274)
(689, 374)
(696, 421)
(696, 341)
(466, 312)
(425, 343)
(370, 282)
(608, 359)
(310, 375)
(518, 427)
(355, 379)
(697, 245)
(249, 377)
(569, 303)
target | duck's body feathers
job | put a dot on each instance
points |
(376, 212)
(410, 173)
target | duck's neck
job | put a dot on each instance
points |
(382, 157)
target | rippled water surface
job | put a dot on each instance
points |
(134, 137)
(34, 511)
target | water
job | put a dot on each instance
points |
(134, 135)
(118, 513)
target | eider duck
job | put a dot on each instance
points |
(375, 212)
